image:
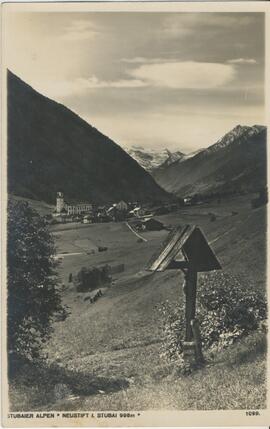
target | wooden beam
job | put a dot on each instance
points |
(198, 341)
(169, 249)
(177, 265)
(190, 290)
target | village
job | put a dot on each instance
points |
(141, 215)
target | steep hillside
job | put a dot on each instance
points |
(150, 159)
(237, 162)
(50, 149)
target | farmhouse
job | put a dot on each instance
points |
(137, 212)
(121, 206)
(188, 201)
(152, 224)
(118, 211)
(71, 208)
(87, 219)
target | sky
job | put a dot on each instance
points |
(156, 80)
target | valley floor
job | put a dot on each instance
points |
(106, 355)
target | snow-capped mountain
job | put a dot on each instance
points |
(178, 159)
(191, 154)
(150, 159)
(235, 163)
(235, 135)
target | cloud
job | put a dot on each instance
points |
(94, 82)
(79, 30)
(178, 75)
(143, 60)
(59, 89)
(242, 61)
(185, 24)
(185, 75)
(175, 75)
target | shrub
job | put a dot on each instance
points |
(261, 200)
(89, 279)
(173, 329)
(227, 310)
(212, 217)
(33, 294)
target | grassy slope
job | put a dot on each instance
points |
(119, 336)
(40, 206)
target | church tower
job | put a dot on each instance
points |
(60, 203)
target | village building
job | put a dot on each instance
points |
(137, 212)
(121, 206)
(71, 208)
(87, 219)
(118, 211)
(152, 224)
(188, 201)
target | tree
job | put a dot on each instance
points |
(33, 295)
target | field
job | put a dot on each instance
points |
(106, 355)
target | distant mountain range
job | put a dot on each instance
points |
(150, 159)
(235, 163)
(175, 157)
(52, 149)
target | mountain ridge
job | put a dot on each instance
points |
(51, 149)
(235, 163)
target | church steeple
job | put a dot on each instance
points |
(60, 203)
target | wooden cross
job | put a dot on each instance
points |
(186, 248)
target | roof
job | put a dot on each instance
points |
(189, 243)
(77, 203)
(152, 220)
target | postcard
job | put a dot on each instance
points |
(134, 214)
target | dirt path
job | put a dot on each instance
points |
(134, 232)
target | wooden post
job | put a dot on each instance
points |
(189, 352)
(198, 341)
(190, 288)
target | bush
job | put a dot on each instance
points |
(33, 295)
(212, 217)
(173, 329)
(227, 310)
(89, 279)
(261, 200)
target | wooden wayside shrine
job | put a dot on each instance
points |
(187, 249)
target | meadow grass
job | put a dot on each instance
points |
(231, 379)
(106, 356)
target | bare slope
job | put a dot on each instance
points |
(50, 149)
(237, 162)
